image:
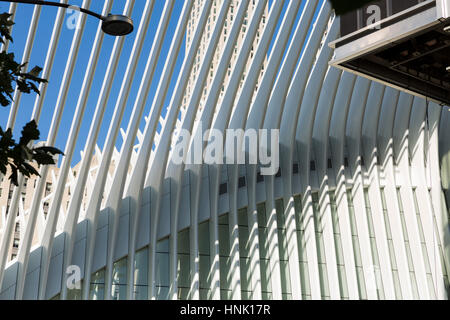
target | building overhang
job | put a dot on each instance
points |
(407, 49)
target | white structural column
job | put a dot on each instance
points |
(47, 240)
(77, 196)
(24, 248)
(354, 142)
(386, 139)
(386, 161)
(303, 138)
(255, 120)
(219, 125)
(242, 112)
(225, 120)
(320, 149)
(400, 154)
(274, 114)
(393, 219)
(154, 179)
(382, 223)
(12, 11)
(119, 109)
(72, 219)
(291, 111)
(357, 209)
(54, 214)
(417, 137)
(444, 165)
(434, 116)
(25, 59)
(137, 180)
(49, 63)
(237, 122)
(24, 254)
(201, 130)
(359, 98)
(127, 149)
(336, 155)
(175, 170)
(6, 237)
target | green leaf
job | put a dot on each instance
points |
(43, 158)
(13, 176)
(13, 76)
(51, 150)
(25, 152)
(35, 71)
(29, 169)
(2, 168)
(29, 132)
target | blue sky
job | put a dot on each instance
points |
(48, 15)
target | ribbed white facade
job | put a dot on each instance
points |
(358, 209)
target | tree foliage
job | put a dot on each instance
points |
(19, 156)
(11, 71)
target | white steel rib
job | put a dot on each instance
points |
(357, 210)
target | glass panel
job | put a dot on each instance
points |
(183, 265)
(398, 292)
(324, 286)
(205, 260)
(224, 258)
(141, 275)
(407, 245)
(244, 254)
(373, 243)
(426, 254)
(162, 270)
(162, 293)
(304, 273)
(97, 288)
(356, 247)
(343, 288)
(283, 249)
(266, 285)
(119, 280)
(75, 294)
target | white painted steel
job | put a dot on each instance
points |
(24, 249)
(72, 219)
(5, 241)
(371, 161)
(206, 120)
(176, 172)
(49, 233)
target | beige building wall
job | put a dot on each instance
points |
(27, 193)
(6, 193)
(192, 24)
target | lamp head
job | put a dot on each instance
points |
(117, 25)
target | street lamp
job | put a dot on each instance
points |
(113, 24)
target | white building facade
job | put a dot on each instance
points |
(357, 210)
